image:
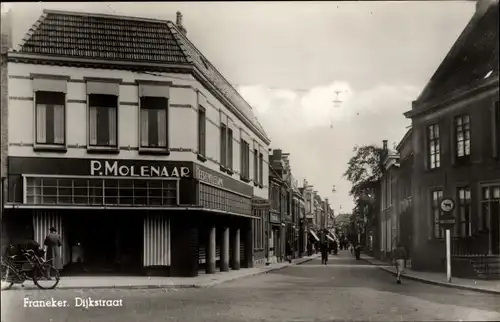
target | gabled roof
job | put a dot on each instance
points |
(113, 38)
(473, 56)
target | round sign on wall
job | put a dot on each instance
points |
(447, 205)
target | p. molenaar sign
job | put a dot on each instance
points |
(113, 168)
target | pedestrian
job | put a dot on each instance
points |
(324, 252)
(399, 256)
(289, 251)
(52, 243)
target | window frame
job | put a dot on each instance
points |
(435, 221)
(465, 204)
(244, 161)
(50, 147)
(150, 149)
(465, 158)
(255, 167)
(261, 170)
(434, 141)
(202, 152)
(229, 150)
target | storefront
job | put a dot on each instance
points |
(128, 216)
(275, 236)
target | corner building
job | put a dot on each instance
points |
(125, 138)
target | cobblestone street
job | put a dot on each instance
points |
(345, 289)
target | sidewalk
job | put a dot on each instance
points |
(143, 282)
(483, 286)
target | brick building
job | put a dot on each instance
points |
(456, 148)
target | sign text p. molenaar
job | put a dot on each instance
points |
(113, 168)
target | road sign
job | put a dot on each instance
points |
(447, 205)
(447, 222)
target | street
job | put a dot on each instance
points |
(345, 289)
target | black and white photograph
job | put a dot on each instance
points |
(250, 161)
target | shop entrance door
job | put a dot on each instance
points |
(105, 242)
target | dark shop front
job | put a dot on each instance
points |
(117, 216)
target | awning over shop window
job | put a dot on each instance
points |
(330, 237)
(314, 235)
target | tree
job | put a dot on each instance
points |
(364, 170)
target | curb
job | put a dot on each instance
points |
(175, 286)
(427, 281)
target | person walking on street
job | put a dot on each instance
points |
(52, 243)
(399, 255)
(289, 251)
(324, 252)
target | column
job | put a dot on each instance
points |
(224, 251)
(236, 249)
(248, 237)
(210, 256)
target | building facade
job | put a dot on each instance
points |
(456, 148)
(137, 143)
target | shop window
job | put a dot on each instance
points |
(434, 155)
(215, 198)
(50, 118)
(103, 120)
(154, 122)
(462, 138)
(436, 197)
(463, 227)
(97, 192)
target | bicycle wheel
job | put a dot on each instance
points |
(6, 277)
(46, 277)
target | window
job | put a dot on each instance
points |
(226, 147)
(245, 160)
(261, 169)
(463, 227)
(433, 143)
(154, 122)
(202, 136)
(255, 166)
(223, 145)
(50, 120)
(490, 206)
(230, 149)
(103, 120)
(496, 130)
(436, 197)
(462, 137)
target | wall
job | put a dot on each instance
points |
(429, 252)
(185, 95)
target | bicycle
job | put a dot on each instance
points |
(41, 270)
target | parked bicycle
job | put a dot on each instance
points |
(28, 264)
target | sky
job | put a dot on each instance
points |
(292, 60)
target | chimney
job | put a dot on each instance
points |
(178, 22)
(385, 144)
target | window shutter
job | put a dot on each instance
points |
(112, 125)
(59, 125)
(93, 126)
(162, 128)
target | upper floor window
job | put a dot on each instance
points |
(154, 120)
(436, 197)
(202, 136)
(433, 144)
(226, 147)
(261, 168)
(245, 160)
(103, 120)
(255, 166)
(462, 137)
(50, 118)
(496, 129)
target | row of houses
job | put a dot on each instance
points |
(118, 132)
(452, 150)
(298, 214)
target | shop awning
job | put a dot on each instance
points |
(330, 237)
(314, 235)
